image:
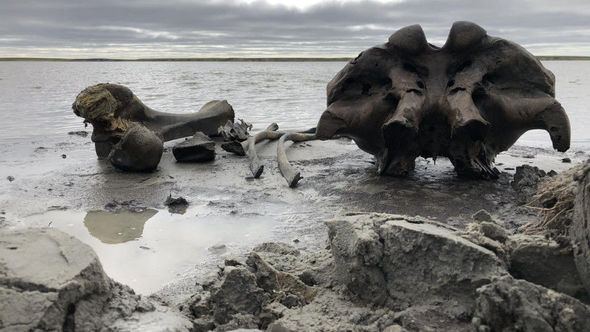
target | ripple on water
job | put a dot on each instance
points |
(36, 98)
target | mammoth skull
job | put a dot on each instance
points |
(467, 100)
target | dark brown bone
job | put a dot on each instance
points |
(467, 101)
(113, 109)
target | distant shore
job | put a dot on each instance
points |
(283, 59)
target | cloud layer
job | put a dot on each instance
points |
(183, 28)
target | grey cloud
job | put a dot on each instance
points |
(230, 28)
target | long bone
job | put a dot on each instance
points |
(113, 110)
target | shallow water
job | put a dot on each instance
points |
(35, 97)
(148, 249)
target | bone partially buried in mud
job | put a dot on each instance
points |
(113, 110)
(199, 148)
(468, 101)
(139, 150)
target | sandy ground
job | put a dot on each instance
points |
(63, 185)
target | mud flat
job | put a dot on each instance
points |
(177, 257)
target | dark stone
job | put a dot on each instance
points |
(308, 278)
(176, 204)
(199, 148)
(468, 100)
(234, 147)
(525, 181)
(238, 293)
(566, 160)
(81, 133)
(482, 215)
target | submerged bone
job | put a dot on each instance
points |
(468, 100)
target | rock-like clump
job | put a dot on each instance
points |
(246, 293)
(580, 229)
(546, 262)
(400, 261)
(509, 304)
(525, 182)
(278, 289)
(50, 281)
(385, 272)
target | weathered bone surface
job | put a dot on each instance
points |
(468, 100)
(113, 110)
(289, 173)
(199, 148)
(248, 147)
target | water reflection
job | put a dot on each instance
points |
(147, 255)
(117, 227)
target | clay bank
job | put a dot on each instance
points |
(407, 208)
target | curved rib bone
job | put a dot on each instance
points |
(289, 173)
(249, 146)
(271, 133)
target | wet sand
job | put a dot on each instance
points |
(149, 248)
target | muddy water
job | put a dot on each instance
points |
(36, 97)
(148, 249)
(146, 246)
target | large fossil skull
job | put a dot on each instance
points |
(130, 134)
(468, 100)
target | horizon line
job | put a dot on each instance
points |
(237, 59)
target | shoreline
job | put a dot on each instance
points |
(240, 59)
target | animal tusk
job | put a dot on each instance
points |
(289, 173)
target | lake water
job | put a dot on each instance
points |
(35, 97)
(228, 214)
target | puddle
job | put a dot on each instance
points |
(149, 249)
(120, 227)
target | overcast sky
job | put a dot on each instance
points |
(266, 28)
